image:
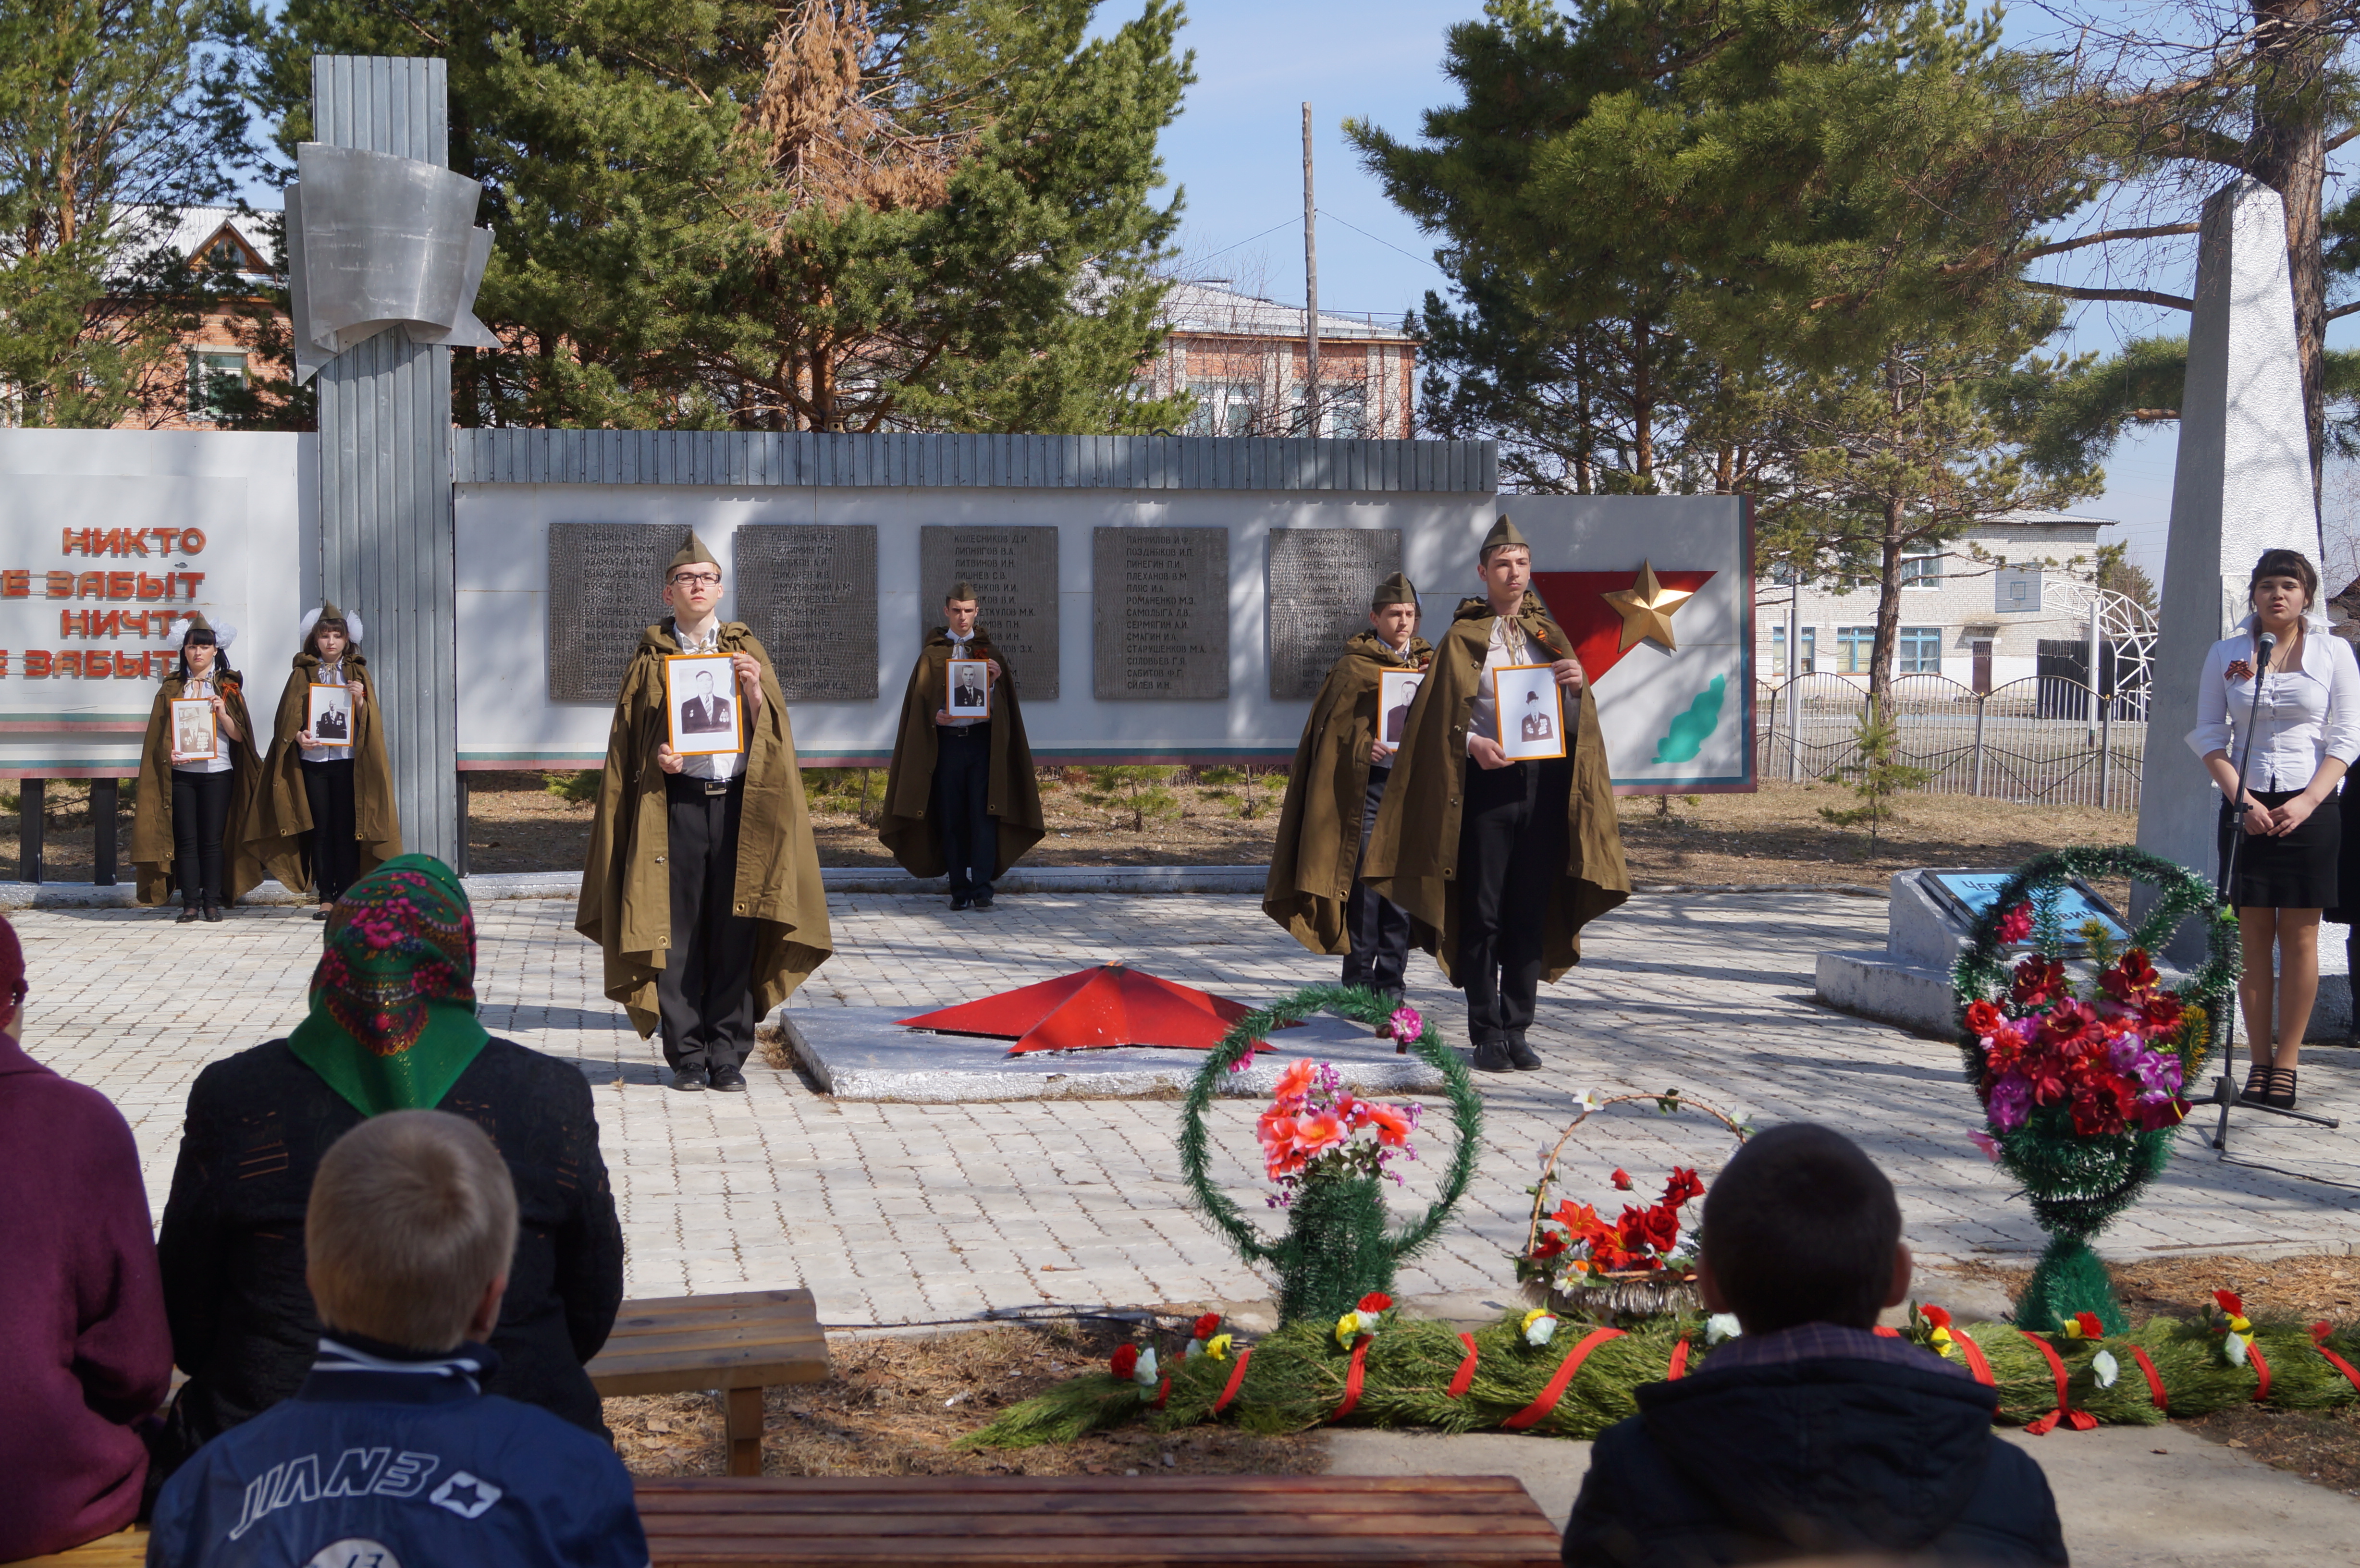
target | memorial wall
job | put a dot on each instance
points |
(1141, 626)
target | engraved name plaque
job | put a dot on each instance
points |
(1317, 582)
(604, 586)
(809, 591)
(1014, 571)
(1161, 622)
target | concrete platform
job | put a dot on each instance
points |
(864, 1053)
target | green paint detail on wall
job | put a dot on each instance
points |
(1690, 729)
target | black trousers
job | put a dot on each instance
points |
(332, 848)
(962, 806)
(705, 993)
(1512, 848)
(1378, 927)
(200, 816)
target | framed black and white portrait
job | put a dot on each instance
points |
(970, 689)
(701, 693)
(1395, 691)
(330, 715)
(1532, 719)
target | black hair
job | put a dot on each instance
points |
(2284, 563)
(203, 636)
(1801, 1227)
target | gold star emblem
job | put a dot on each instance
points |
(1646, 609)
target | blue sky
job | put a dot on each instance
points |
(1237, 152)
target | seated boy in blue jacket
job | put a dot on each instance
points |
(1809, 1435)
(390, 1456)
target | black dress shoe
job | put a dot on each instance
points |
(188, 913)
(689, 1078)
(1523, 1055)
(983, 899)
(729, 1080)
(213, 911)
(1492, 1056)
(960, 901)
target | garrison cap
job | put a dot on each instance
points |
(1395, 590)
(962, 592)
(692, 552)
(1504, 533)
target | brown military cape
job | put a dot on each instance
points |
(152, 846)
(1318, 846)
(626, 903)
(282, 811)
(1013, 794)
(1414, 853)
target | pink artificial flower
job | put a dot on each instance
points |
(1988, 1144)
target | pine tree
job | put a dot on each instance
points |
(828, 214)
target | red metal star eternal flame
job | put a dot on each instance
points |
(1110, 1005)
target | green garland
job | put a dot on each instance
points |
(2079, 1184)
(1296, 1378)
(1336, 1249)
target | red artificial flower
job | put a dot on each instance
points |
(2014, 925)
(2037, 980)
(1551, 1243)
(1622, 1180)
(1208, 1325)
(2068, 1022)
(1939, 1317)
(1645, 1230)
(2230, 1302)
(1125, 1361)
(1683, 1186)
(2102, 1107)
(2129, 977)
(1985, 1019)
(2160, 1115)
(2090, 1326)
(1392, 1123)
(1376, 1302)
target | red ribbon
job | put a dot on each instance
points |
(1883, 1332)
(2078, 1420)
(1464, 1378)
(1679, 1367)
(1237, 1378)
(1162, 1392)
(2154, 1384)
(2261, 1370)
(1539, 1408)
(1353, 1378)
(2319, 1332)
(1976, 1362)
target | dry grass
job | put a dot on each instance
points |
(2318, 1445)
(896, 1406)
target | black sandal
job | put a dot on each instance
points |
(2258, 1084)
(2282, 1083)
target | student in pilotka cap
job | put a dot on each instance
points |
(1337, 780)
(960, 795)
(702, 885)
(184, 831)
(1500, 864)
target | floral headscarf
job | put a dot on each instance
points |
(393, 1001)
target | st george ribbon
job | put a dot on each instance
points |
(375, 241)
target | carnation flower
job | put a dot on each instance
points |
(1721, 1326)
(1125, 1360)
(1539, 1325)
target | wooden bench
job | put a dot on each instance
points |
(739, 1344)
(124, 1549)
(1177, 1521)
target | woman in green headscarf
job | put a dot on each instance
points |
(393, 1027)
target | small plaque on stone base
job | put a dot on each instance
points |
(1317, 582)
(809, 592)
(1161, 614)
(605, 582)
(1014, 571)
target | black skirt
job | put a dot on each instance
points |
(2347, 875)
(2298, 871)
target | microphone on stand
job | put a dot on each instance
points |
(2263, 645)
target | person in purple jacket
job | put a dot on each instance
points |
(84, 1355)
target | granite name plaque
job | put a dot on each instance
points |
(1317, 582)
(1160, 599)
(1014, 573)
(809, 591)
(605, 584)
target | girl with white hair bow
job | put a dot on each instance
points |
(324, 817)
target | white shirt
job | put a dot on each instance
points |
(202, 691)
(2307, 714)
(327, 675)
(728, 764)
(1508, 645)
(958, 650)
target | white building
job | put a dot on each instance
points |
(1951, 620)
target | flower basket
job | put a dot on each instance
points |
(1338, 1246)
(2082, 1091)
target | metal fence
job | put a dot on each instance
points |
(2041, 738)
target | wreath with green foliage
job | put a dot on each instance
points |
(2078, 1179)
(1336, 1248)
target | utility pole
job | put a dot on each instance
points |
(1310, 283)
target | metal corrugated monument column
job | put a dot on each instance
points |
(385, 473)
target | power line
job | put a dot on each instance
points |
(1249, 239)
(1424, 260)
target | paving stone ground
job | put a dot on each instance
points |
(905, 1214)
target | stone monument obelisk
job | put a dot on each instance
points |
(2242, 485)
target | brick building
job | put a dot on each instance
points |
(1246, 362)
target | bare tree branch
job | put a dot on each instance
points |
(2131, 295)
(2059, 247)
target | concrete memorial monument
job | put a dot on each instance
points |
(1161, 614)
(1015, 572)
(1315, 583)
(809, 593)
(598, 600)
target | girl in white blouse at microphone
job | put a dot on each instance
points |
(2284, 824)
